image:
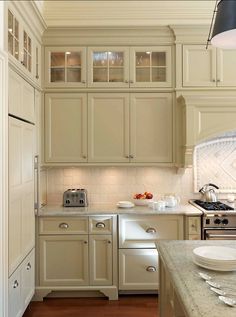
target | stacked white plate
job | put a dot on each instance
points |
(125, 204)
(216, 258)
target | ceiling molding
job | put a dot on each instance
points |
(126, 13)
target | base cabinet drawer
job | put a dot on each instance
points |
(138, 269)
(63, 225)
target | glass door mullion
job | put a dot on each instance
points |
(66, 68)
(150, 63)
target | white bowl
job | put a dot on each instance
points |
(141, 202)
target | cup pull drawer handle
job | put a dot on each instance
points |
(63, 225)
(100, 225)
(151, 269)
(151, 230)
(16, 284)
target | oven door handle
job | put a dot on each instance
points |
(221, 236)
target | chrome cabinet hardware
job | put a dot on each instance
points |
(28, 267)
(100, 225)
(16, 284)
(63, 225)
(151, 230)
(151, 269)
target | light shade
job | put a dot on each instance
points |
(224, 30)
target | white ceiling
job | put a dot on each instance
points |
(125, 13)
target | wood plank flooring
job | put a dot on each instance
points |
(126, 306)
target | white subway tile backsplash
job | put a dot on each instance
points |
(108, 185)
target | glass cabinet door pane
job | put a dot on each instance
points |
(29, 45)
(73, 75)
(116, 59)
(25, 59)
(16, 49)
(73, 58)
(116, 75)
(142, 59)
(10, 43)
(100, 75)
(158, 59)
(16, 29)
(10, 21)
(25, 40)
(57, 75)
(100, 59)
(57, 59)
(143, 74)
(29, 62)
(159, 74)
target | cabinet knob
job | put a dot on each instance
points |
(28, 267)
(85, 242)
(15, 284)
(151, 269)
(100, 225)
(213, 80)
(109, 241)
(63, 225)
(126, 156)
(84, 156)
(131, 156)
(218, 80)
(37, 76)
(131, 81)
(151, 230)
(126, 81)
(83, 81)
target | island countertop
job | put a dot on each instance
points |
(53, 211)
(194, 294)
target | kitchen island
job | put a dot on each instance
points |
(182, 292)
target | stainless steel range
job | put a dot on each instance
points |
(218, 220)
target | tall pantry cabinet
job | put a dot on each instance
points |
(24, 77)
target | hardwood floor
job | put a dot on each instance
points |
(126, 306)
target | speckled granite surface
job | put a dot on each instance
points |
(194, 293)
(112, 209)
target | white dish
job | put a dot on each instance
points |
(125, 204)
(213, 268)
(216, 253)
(142, 202)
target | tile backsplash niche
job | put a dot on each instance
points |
(108, 185)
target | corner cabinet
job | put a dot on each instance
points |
(214, 67)
(77, 253)
(138, 257)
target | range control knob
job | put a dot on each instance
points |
(225, 221)
(217, 221)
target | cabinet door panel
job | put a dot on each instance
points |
(15, 95)
(100, 259)
(138, 269)
(66, 128)
(28, 111)
(226, 68)
(27, 278)
(14, 300)
(108, 128)
(64, 260)
(143, 231)
(151, 127)
(199, 66)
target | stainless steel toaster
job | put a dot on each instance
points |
(75, 198)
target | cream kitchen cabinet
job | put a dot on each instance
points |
(21, 286)
(77, 253)
(65, 67)
(65, 127)
(129, 66)
(208, 67)
(193, 228)
(138, 257)
(23, 48)
(21, 98)
(21, 191)
(137, 127)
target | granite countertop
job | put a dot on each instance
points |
(113, 209)
(195, 294)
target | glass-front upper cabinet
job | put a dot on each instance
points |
(65, 66)
(108, 67)
(150, 66)
(27, 52)
(13, 35)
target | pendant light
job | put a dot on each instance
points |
(224, 29)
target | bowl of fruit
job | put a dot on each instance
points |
(142, 199)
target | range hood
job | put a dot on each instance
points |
(201, 117)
